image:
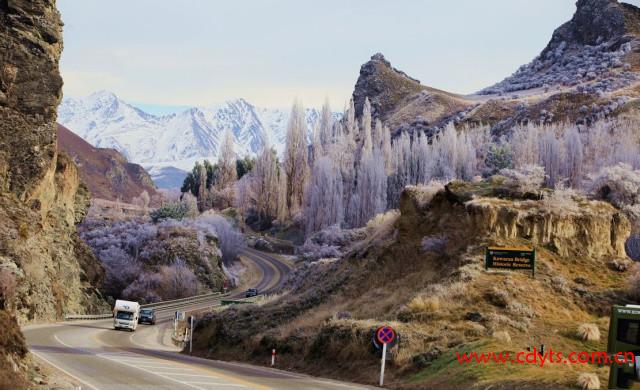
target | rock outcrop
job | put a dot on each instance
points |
(41, 196)
(106, 172)
(401, 101)
(588, 71)
(596, 49)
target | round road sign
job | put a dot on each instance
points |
(385, 335)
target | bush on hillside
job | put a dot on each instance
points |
(561, 201)
(172, 210)
(588, 332)
(528, 179)
(618, 184)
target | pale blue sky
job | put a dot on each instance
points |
(162, 53)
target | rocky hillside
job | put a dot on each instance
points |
(589, 70)
(106, 172)
(423, 272)
(49, 269)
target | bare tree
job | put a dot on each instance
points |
(227, 162)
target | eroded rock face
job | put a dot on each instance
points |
(596, 231)
(41, 197)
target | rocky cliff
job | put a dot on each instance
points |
(106, 172)
(41, 196)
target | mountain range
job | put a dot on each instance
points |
(168, 146)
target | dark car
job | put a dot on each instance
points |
(252, 292)
(148, 316)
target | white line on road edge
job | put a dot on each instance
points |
(63, 370)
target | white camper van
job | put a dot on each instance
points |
(125, 315)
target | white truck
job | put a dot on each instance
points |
(125, 315)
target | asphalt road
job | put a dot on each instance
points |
(95, 356)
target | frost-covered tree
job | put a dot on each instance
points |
(283, 209)
(525, 145)
(370, 197)
(573, 157)
(266, 182)
(295, 158)
(367, 139)
(323, 196)
(326, 124)
(551, 157)
(385, 148)
(227, 162)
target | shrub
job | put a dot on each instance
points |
(561, 201)
(424, 306)
(618, 184)
(497, 297)
(588, 332)
(588, 381)
(171, 210)
(502, 335)
(528, 179)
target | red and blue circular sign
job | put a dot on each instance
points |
(385, 335)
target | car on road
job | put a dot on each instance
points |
(252, 292)
(148, 316)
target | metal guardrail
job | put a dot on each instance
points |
(68, 317)
(164, 305)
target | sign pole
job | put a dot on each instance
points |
(191, 337)
(384, 358)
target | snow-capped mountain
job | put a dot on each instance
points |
(163, 143)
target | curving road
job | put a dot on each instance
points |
(97, 357)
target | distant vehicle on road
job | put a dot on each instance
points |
(252, 292)
(125, 315)
(148, 316)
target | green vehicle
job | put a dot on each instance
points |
(624, 336)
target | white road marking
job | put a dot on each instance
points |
(134, 362)
(155, 373)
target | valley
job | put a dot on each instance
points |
(409, 240)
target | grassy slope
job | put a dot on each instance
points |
(324, 326)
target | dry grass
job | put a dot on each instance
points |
(587, 381)
(588, 332)
(424, 306)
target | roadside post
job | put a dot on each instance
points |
(384, 335)
(191, 336)
(273, 357)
